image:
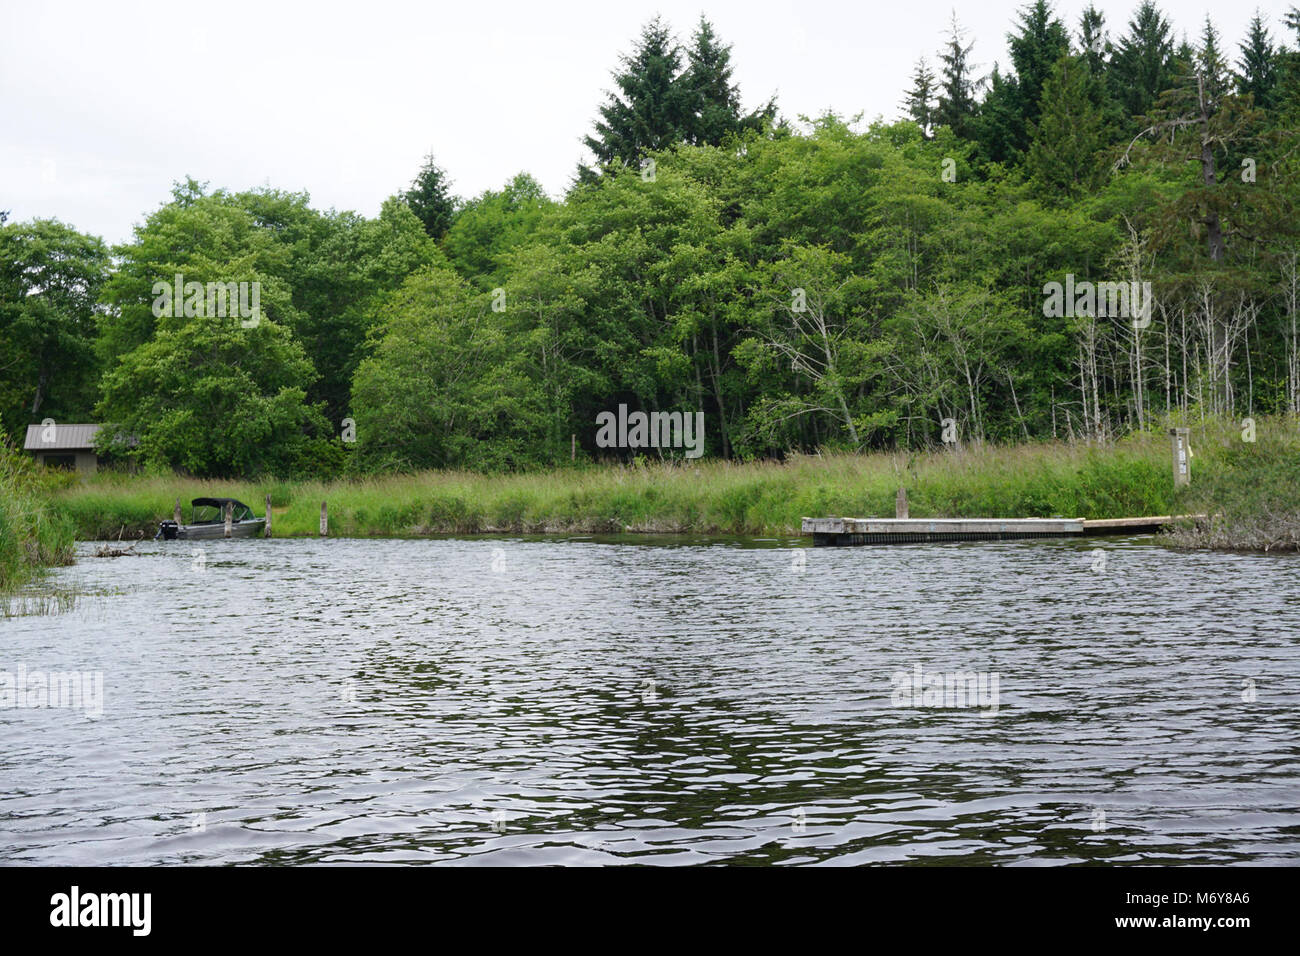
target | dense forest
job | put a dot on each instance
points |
(805, 282)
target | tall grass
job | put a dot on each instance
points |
(1128, 478)
(33, 533)
(1249, 489)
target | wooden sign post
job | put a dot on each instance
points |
(900, 504)
(176, 512)
(1182, 450)
(267, 532)
(324, 520)
(229, 512)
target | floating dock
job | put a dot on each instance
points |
(851, 531)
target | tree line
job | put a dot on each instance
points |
(805, 282)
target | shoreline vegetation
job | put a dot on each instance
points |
(1249, 488)
(34, 532)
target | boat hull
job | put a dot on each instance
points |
(205, 532)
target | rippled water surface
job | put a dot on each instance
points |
(665, 701)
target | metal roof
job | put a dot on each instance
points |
(66, 438)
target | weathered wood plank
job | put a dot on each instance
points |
(848, 531)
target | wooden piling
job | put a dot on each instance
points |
(176, 512)
(267, 531)
(324, 520)
(230, 510)
(900, 503)
(573, 447)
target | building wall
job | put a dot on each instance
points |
(85, 462)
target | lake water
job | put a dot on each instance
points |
(660, 701)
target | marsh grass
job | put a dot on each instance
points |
(1041, 480)
(1250, 491)
(33, 533)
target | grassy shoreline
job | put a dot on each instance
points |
(710, 497)
(34, 534)
(1251, 487)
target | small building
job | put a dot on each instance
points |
(64, 446)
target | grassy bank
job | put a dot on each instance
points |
(33, 532)
(1129, 478)
(1249, 490)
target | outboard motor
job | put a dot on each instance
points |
(167, 530)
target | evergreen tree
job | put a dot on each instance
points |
(1210, 64)
(918, 102)
(999, 124)
(1094, 47)
(1095, 53)
(713, 110)
(430, 198)
(1035, 52)
(1144, 62)
(1062, 159)
(649, 110)
(1011, 106)
(957, 87)
(1286, 94)
(1258, 64)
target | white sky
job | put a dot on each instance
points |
(104, 104)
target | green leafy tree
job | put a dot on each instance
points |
(491, 225)
(446, 386)
(50, 280)
(204, 238)
(215, 399)
(338, 280)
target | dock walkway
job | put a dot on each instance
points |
(851, 531)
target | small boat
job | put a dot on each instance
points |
(208, 520)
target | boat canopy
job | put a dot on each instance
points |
(239, 510)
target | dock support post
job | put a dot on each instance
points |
(267, 532)
(900, 504)
(229, 512)
(176, 512)
(1182, 455)
(324, 520)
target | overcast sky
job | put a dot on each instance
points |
(104, 104)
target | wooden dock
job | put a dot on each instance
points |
(851, 531)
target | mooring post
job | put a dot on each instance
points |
(900, 504)
(267, 532)
(1182, 455)
(324, 520)
(229, 513)
(176, 512)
